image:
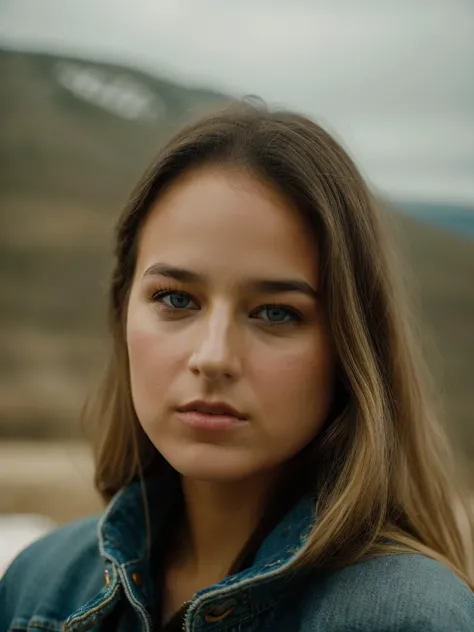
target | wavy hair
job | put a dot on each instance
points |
(381, 469)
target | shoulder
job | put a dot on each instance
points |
(406, 592)
(63, 546)
(67, 557)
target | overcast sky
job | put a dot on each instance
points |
(394, 79)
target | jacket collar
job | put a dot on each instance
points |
(139, 513)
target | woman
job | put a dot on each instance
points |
(265, 442)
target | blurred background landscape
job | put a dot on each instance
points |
(90, 90)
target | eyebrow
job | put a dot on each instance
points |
(264, 286)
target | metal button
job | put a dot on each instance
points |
(137, 579)
(218, 612)
(107, 577)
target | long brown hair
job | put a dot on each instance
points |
(381, 469)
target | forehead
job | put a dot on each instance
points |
(227, 223)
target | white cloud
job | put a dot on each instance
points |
(394, 78)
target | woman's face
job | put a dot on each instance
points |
(224, 308)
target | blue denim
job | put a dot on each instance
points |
(77, 576)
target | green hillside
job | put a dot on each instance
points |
(67, 164)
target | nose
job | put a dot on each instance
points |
(214, 355)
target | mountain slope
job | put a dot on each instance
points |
(458, 218)
(74, 137)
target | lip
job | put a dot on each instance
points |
(228, 419)
(206, 421)
(222, 408)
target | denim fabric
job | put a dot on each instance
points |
(89, 573)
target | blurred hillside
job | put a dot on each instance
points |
(74, 137)
(458, 218)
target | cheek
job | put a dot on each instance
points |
(153, 355)
(306, 367)
(297, 384)
(142, 340)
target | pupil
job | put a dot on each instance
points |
(278, 312)
(178, 300)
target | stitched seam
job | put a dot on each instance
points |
(93, 610)
(133, 562)
(145, 617)
(250, 581)
(57, 626)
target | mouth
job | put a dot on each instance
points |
(219, 409)
(203, 415)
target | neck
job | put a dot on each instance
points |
(220, 519)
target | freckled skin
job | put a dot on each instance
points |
(229, 228)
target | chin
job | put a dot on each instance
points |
(210, 463)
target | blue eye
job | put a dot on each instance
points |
(279, 315)
(177, 300)
(275, 314)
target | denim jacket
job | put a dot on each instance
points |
(93, 574)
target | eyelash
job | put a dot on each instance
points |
(157, 297)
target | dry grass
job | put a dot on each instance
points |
(48, 479)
